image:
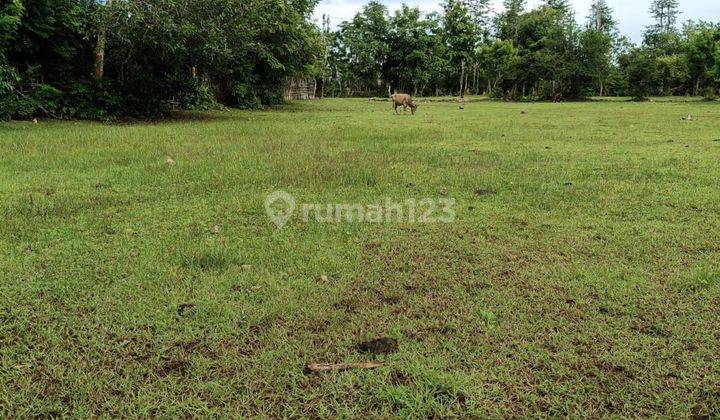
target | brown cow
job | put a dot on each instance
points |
(404, 100)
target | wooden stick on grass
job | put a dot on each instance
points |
(340, 367)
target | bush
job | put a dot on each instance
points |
(497, 93)
(159, 55)
(710, 94)
(20, 98)
(198, 96)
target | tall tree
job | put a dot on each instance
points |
(326, 37)
(460, 36)
(498, 63)
(562, 6)
(10, 19)
(665, 13)
(413, 48)
(366, 48)
(99, 67)
(601, 17)
(597, 43)
(506, 23)
(702, 46)
(479, 11)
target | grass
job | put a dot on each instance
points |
(580, 278)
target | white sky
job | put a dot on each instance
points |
(632, 15)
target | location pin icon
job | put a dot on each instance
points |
(279, 207)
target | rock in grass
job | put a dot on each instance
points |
(169, 161)
(379, 346)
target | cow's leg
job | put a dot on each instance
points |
(395, 108)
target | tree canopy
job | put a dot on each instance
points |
(107, 58)
(156, 54)
(540, 53)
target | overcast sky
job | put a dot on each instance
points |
(632, 15)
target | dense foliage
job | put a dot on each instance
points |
(90, 59)
(541, 53)
(106, 58)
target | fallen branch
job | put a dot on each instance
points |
(340, 367)
(47, 113)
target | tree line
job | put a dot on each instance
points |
(143, 58)
(543, 53)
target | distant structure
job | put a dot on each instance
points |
(300, 88)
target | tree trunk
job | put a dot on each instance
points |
(339, 79)
(99, 70)
(476, 80)
(462, 80)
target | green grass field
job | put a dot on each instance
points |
(581, 276)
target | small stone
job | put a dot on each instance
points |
(215, 230)
(323, 278)
(169, 160)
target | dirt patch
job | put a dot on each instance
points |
(175, 366)
(400, 378)
(652, 330)
(380, 346)
(186, 309)
(482, 191)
